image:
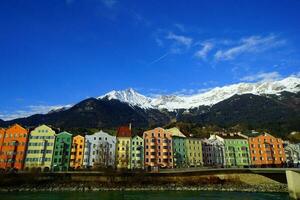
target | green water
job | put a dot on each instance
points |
(170, 195)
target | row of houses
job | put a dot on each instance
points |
(46, 149)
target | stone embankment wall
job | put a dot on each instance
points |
(138, 181)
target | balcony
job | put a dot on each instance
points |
(152, 150)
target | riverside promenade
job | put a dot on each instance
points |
(218, 179)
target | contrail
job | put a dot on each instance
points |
(159, 59)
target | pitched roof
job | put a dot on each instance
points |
(232, 136)
(124, 131)
(175, 132)
(64, 132)
(16, 126)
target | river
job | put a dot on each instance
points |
(141, 195)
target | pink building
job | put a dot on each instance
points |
(158, 148)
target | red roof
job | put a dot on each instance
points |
(124, 131)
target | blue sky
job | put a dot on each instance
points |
(57, 52)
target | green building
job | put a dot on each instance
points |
(40, 149)
(137, 153)
(194, 152)
(62, 152)
(236, 149)
(179, 151)
(179, 147)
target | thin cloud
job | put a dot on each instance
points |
(184, 92)
(68, 2)
(109, 3)
(31, 110)
(202, 53)
(159, 42)
(251, 44)
(180, 27)
(262, 76)
(180, 39)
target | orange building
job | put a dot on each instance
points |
(77, 152)
(14, 147)
(158, 148)
(266, 150)
(2, 135)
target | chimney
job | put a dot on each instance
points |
(129, 126)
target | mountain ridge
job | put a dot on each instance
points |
(276, 109)
(209, 98)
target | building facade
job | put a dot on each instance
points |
(194, 152)
(213, 152)
(99, 150)
(40, 148)
(179, 151)
(137, 152)
(158, 148)
(179, 147)
(123, 149)
(62, 152)
(77, 152)
(266, 150)
(2, 137)
(292, 153)
(236, 148)
(13, 149)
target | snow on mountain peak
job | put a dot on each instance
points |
(129, 96)
(208, 98)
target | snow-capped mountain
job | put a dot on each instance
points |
(209, 98)
(129, 96)
(60, 108)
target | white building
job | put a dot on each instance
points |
(99, 151)
(213, 150)
(292, 153)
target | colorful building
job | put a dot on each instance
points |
(179, 151)
(236, 148)
(2, 137)
(62, 152)
(179, 147)
(123, 149)
(213, 152)
(176, 132)
(193, 152)
(266, 150)
(158, 148)
(137, 153)
(99, 150)
(13, 149)
(292, 153)
(40, 148)
(77, 152)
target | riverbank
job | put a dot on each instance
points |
(83, 187)
(144, 195)
(139, 182)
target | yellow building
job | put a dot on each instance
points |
(77, 152)
(40, 148)
(194, 152)
(123, 148)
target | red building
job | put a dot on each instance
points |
(13, 148)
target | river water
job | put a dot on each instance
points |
(141, 195)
